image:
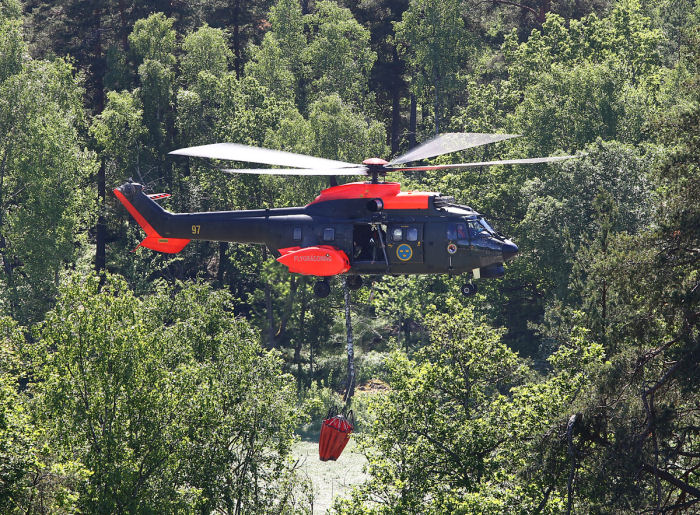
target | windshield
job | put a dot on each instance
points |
(486, 225)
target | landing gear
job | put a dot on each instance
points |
(468, 289)
(322, 289)
(354, 282)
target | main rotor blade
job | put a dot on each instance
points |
(449, 142)
(357, 170)
(248, 154)
(527, 161)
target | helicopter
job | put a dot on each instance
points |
(352, 229)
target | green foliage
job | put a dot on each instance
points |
(338, 55)
(16, 453)
(119, 130)
(277, 63)
(452, 433)
(43, 169)
(11, 42)
(32, 478)
(306, 57)
(153, 38)
(155, 94)
(558, 224)
(168, 408)
(624, 38)
(590, 79)
(432, 36)
(204, 50)
(339, 133)
(157, 398)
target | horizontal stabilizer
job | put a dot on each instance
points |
(167, 245)
(158, 196)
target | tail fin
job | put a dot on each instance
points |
(153, 240)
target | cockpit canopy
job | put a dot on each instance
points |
(473, 227)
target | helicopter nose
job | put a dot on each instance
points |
(509, 250)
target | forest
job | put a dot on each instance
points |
(133, 381)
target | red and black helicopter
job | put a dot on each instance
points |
(358, 228)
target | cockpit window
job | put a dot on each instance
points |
(456, 231)
(461, 232)
(486, 225)
(475, 227)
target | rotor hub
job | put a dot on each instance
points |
(375, 167)
(376, 161)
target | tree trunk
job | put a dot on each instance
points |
(268, 308)
(124, 28)
(395, 108)
(311, 361)
(436, 100)
(545, 7)
(237, 37)
(289, 304)
(302, 318)
(98, 77)
(223, 262)
(7, 267)
(412, 122)
(101, 229)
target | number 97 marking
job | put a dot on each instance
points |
(196, 228)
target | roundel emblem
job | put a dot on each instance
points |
(451, 248)
(404, 252)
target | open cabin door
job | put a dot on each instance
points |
(369, 243)
(405, 243)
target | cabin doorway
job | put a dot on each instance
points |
(368, 243)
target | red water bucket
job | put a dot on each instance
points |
(335, 433)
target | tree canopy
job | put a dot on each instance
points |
(144, 382)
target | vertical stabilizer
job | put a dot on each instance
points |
(153, 240)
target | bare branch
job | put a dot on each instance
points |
(515, 4)
(665, 476)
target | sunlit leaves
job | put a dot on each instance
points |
(165, 403)
(461, 425)
(43, 169)
(434, 39)
(205, 50)
(154, 38)
(338, 54)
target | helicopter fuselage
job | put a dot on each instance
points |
(355, 228)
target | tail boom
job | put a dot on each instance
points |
(170, 232)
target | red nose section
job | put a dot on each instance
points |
(321, 261)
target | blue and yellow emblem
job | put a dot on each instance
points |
(404, 252)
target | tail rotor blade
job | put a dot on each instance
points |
(449, 142)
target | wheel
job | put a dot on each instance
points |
(354, 282)
(322, 289)
(468, 289)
